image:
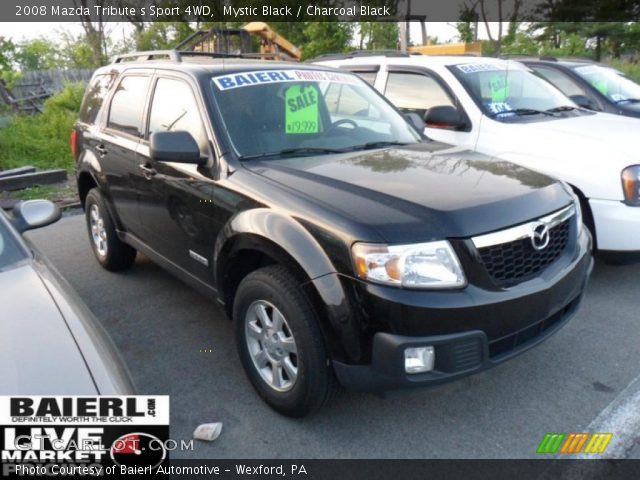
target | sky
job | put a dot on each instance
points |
(27, 30)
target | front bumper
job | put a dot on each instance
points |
(471, 330)
(617, 225)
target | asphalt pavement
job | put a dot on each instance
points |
(179, 343)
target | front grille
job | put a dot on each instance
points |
(517, 261)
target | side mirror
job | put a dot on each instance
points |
(32, 214)
(444, 116)
(583, 101)
(178, 147)
(415, 121)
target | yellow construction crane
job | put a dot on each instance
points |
(271, 43)
(474, 48)
(237, 41)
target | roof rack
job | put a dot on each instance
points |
(517, 55)
(361, 53)
(546, 58)
(577, 59)
(171, 55)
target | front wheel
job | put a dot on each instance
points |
(280, 343)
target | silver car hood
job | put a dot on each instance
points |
(38, 353)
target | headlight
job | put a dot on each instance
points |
(424, 265)
(631, 185)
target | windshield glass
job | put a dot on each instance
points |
(502, 90)
(610, 82)
(10, 251)
(305, 111)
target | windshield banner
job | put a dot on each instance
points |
(246, 79)
(479, 67)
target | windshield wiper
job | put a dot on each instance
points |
(628, 100)
(524, 111)
(372, 145)
(292, 151)
(563, 108)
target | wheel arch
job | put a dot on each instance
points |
(248, 243)
(86, 182)
(587, 214)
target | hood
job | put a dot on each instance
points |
(38, 354)
(589, 151)
(618, 133)
(421, 192)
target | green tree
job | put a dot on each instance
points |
(75, 52)
(7, 51)
(585, 18)
(94, 30)
(378, 35)
(37, 54)
(161, 35)
(327, 37)
(7, 56)
(467, 25)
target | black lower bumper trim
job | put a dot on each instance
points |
(456, 355)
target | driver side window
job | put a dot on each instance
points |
(560, 80)
(415, 92)
(174, 108)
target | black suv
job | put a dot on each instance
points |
(591, 85)
(347, 248)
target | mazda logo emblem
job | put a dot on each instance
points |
(540, 236)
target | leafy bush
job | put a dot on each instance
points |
(42, 140)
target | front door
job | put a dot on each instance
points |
(416, 91)
(175, 207)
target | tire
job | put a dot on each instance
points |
(272, 290)
(113, 254)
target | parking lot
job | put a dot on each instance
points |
(177, 342)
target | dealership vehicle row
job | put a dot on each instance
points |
(345, 246)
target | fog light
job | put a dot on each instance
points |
(419, 359)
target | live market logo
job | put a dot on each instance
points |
(73, 434)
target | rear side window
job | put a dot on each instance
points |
(174, 108)
(94, 97)
(127, 104)
(414, 92)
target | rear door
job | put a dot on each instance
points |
(117, 144)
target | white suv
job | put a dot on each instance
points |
(501, 108)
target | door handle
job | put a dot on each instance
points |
(147, 171)
(101, 150)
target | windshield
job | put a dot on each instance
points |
(10, 251)
(610, 82)
(277, 112)
(507, 90)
